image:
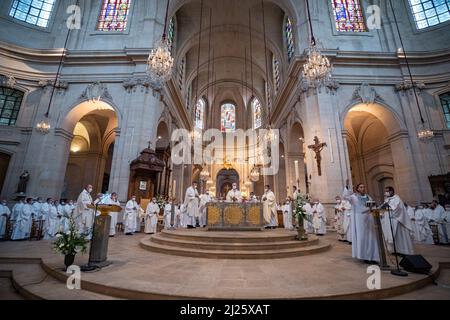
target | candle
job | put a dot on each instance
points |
(296, 173)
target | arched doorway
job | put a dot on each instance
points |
(225, 179)
(4, 164)
(91, 149)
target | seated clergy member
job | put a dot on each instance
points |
(234, 195)
(191, 202)
(151, 217)
(270, 208)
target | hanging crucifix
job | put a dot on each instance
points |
(317, 147)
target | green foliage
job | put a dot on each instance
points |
(300, 212)
(71, 242)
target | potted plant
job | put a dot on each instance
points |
(300, 214)
(71, 242)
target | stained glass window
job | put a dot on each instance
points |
(429, 13)
(171, 34)
(35, 12)
(10, 101)
(276, 73)
(257, 114)
(348, 15)
(113, 15)
(200, 114)
(228, 118)
(289, 34)
(445, 101)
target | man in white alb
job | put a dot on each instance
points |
(191, 202)
(85, 213)
(270, 208)
(129, 217)
(151, 217)
(204, 200)
(234, 195)
(343, 219)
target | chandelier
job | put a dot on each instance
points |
(160, 61)
(43, 126)
(317, 67)
(425, 134)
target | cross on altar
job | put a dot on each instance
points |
(317, 147)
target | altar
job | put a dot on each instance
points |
(224, 216)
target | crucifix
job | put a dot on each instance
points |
(317, 147)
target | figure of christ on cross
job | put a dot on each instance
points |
(317, 147)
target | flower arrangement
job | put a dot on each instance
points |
(72, 241)
(300, 214)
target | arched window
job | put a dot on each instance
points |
(289, 35)
(10, 101)
(276, 73)
(348, 16)
(171, 34)
(228, 118)
(113, 15)
(257, 113)
(200, 114)
(35, 12)
(428, 13)
(445, 102)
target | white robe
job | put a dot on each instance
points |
(234, 194)
(184, 219)
(204, 200)
(308, 225)
(114, 216)
(401, 227)
(364, 238)
(191, 201)
(344, 220)
(438, 216)
(22, 228)
(5, 213)
(51, 224)
(129, 216)
(168, 216)
(37, 207)
(151, 218)
(319, 219)
(85, 214)
(270, 209)
(45, 210)
(67, 215)
(287, 216)
(421, 229)
(17, 210)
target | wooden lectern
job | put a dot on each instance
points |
(382, 252)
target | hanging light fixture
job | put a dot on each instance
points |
(317, 68)
(425, 134)
(160, 61)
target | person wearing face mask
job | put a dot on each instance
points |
(191, 201)
(151, 217)
(84, 212)
(234, 195)
(364, 244)
(22, 228)
(129, 216)
(319, 218)
(270, 208)
(343, 218)
(399, 221)
(37, 206)
(4, 216)
(52, 222)
(168, 208)
(437, 216)
(204, 200)
(287, 215)
(113, 199)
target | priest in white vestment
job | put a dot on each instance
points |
(438, 215)
(343, 219)
(22, 227)
(308, 222)
(37, 205)
(151, 217)
(129, 216)
(270, 208)
(168, 215)
(399, 227)
(319, 218)
(287, 215)
(234, 195)
(191, 201)
(183, 219)
(204, 200)
(113, 199)
(364, 238)
(85, 214)
(422, 231)
(5, 213)
(52, 223)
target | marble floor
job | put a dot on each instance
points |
(326, 275)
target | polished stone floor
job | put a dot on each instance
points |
(321, 275)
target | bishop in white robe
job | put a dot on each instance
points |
(191, 201)
(5, 213)
(129, 216)
(396, 224)
(270, 208)
(364, 238)
(151, 217)
(85, 214)
(319, 219)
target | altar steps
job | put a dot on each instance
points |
(237, 245)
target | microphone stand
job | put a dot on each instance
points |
(396, 272)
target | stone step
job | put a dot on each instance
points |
(199, 243)
(230, 237)
(237, 254)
